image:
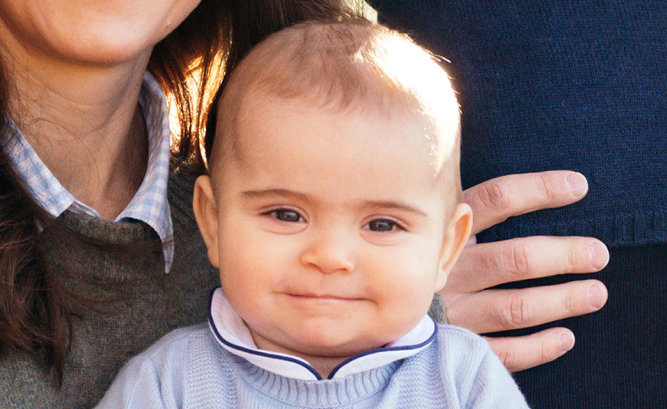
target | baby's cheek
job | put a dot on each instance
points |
(405, 299)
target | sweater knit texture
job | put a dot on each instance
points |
(133, 303)
(187, 369)
(578, 85)
(543, 85)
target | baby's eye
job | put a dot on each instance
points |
(286, 215)
(382, 225)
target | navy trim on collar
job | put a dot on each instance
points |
(295, 367)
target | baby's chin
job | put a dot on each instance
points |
(329, 338)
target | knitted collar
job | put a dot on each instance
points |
(231, 333)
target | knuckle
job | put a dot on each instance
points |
(543, 353)
(495, 195)
(506, 355)
(517, 259)
(572, 260)
(571, 303)
(518, 311)
(544, 186)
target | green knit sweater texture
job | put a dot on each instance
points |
(132, 303)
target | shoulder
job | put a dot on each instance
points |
(175, 341)
(167, 355)
(446, 373)
(451, 339)
(156, 375)
(457, 353)
(460, 351)
(468, 366)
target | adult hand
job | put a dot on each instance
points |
(472, 304)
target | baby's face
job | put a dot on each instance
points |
(329, 228)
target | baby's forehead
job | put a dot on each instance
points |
(262, 117)
(260, 107)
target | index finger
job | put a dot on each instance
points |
(495, 200)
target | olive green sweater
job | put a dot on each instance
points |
(145, 303)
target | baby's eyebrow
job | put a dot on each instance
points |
(256, 194)
(390, 204)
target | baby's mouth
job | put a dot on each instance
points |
(323, 297)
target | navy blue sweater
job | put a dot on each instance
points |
(576, 85)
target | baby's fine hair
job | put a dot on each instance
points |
(347, 66)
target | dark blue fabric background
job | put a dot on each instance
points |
(578, 85)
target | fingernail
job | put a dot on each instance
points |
(598, 255)
(578, 183)
(597, 296)
(566, 341)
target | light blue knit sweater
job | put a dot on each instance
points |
(189, 369)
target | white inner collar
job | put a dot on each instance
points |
(231, 333)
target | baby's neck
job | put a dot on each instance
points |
(324, 364)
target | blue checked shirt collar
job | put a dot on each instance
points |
(149, 204)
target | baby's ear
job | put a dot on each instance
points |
(206, 214)
(456, 236)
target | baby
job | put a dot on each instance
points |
(333, 212)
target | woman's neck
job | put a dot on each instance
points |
(83, 121)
